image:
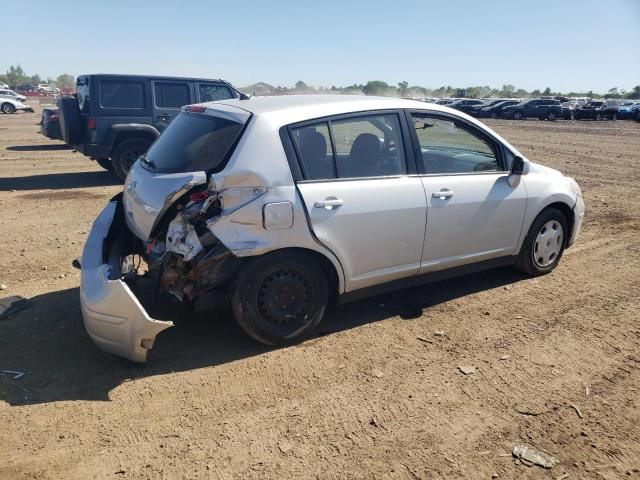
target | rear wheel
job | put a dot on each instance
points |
(544, 244)
(105, 163)
(8, 108)
(280, 298)
(517, 116)
(126, 153)
(551, 116)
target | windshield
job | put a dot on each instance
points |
(193, 142)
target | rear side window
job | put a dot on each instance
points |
(366, 146)
(121, 94)
(193, 142)
(213, 92)
(171, 95)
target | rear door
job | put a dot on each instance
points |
(473, 213)
(362, 202)
(168, 98)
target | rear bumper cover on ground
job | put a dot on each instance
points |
(113, 316)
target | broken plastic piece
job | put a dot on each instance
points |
(535, 456)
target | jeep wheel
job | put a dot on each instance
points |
(544, 244)
(517, 116)
(8, 108)
(126, 154)
(280, 297)
(105, 163)
(551, 116)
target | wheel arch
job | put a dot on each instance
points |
(324, 261)
(121, 132)
(566, 210)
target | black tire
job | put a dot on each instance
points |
(105, 163)
(598, 117)
(527, 261)
(126, 153)
(7, 108)
(494, 115)
(71, 124)
(279, 298)
(518, 116)
(614, 117)
(551, 116)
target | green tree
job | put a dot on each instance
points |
(508, 90)
(375, 87)
(65, 81)
(16, 75)
(300, 85)
(402, 88)
(547, 91)
(634, 93)
(613, 93)
(35, 79)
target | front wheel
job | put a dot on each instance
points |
(551, 116)
(280, 297)
(8, 108)
(126, 154)
(494, 115)
(544, 244)
(517, 116)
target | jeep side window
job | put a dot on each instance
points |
(121, 94)
(212, 92)
(171, 95)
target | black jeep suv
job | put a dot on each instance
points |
(114, 119)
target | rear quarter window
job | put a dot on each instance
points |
(193, 142)
(122, 94)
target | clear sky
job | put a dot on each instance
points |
(564, 44)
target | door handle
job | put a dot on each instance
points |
(164, 116)
(442, 194)
(329, 203)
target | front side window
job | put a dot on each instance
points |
(193, 142)
(121, 94)
(171, 95)
(448, 147)
(366, 146)
(213, 92)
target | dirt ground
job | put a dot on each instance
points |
(378, 394)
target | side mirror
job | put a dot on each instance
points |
(518, 166)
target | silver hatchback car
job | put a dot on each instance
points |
(287, 203)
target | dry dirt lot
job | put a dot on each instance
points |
(558, 360)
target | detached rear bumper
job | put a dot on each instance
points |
(113, 317)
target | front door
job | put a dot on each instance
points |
(473, 213)
(168, 98)
(362, 204)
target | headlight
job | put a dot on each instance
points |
(575, 188)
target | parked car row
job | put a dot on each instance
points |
(546, 108)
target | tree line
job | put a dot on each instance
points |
(403, 89)
(15, 76)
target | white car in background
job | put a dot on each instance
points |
(44, 88)
(12, 105)
(287, 203)
(7, 93)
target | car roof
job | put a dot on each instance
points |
(298, 108)
(151, 77)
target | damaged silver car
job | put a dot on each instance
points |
(282, 204)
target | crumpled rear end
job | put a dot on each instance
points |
(113, 316)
